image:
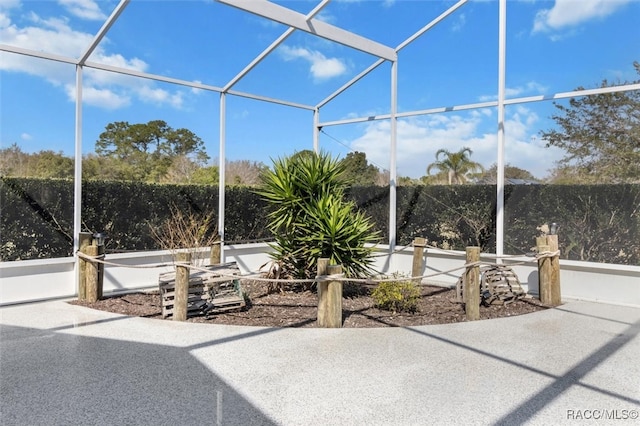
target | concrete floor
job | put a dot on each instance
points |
(67, 365)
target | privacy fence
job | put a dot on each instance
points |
(598, 223)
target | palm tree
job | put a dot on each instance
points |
(457, 165)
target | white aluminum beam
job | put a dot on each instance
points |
(502, 49)
(193, 84)
(222, 163)
(490, 104)
(270, 100)
(574, 94)
(272, 47)
(393, 172)
(316, 131)
(297, 20)
(36, 54)
(149, 76)
(77, 174)
(103, 31)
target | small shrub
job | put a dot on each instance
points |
(186, 231)
(397, 296)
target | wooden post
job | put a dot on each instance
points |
(544, 274)
(555, 297)
(84, 240)
(182, 287)
(323, 264)
(91, 275)
(418, 258)
(330, 300)
(472, 285)
(214, 258)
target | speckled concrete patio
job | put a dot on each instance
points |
(68, 365)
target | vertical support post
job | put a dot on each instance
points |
(91, 275)
(418, 258)
(502, 48)
(182, 287)
(555, 297)
(544, 273)
(393, 167)
(84, 240)
(77, 179)
(472, 285)
(222, 162)
(316, 130)
(330, 303)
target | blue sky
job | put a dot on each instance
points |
(552, 46)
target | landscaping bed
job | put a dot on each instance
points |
(289, 308)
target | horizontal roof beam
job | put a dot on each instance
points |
(37, 54)
(490, 104)
(148, 76)
(299, 21)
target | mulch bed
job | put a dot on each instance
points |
(299, 308)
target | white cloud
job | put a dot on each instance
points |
(420, 137)
(26, 137)
(5, 21)
(9, 4)
(570, 13)
(85, 9)
(102, 89)
(160, 96)
(103, 98)
(322, 68)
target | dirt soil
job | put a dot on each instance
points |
(299, 308)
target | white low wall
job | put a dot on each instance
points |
(43, 279)
(35, 280)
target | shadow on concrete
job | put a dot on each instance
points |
(528, 408)
(63, 379)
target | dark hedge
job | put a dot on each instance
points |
(599, 223)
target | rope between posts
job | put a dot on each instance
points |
(335, 277)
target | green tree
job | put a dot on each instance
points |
(510, 172)
(13, 161)
(311, 219)
(358, 171)
(208, 175)
(147, 151)
(49, 164)
(457, 166)
(600, 135)
(42, 164)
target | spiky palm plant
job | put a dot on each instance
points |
(311, 219)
